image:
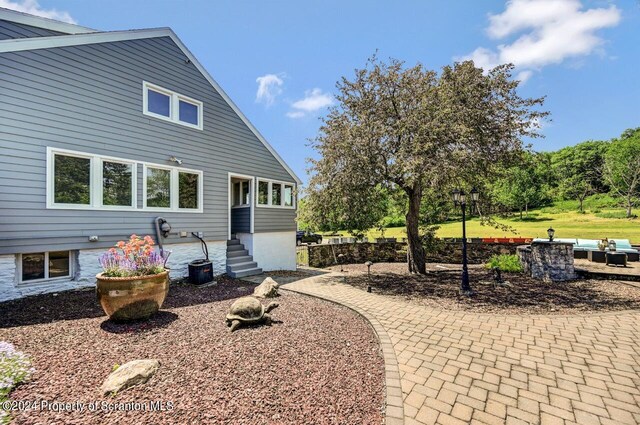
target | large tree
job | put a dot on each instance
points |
(579, 170)
(413, 130)
(622, 167)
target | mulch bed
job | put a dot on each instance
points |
(318, 363)
(440, 289)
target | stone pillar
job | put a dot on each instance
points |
(548, 261)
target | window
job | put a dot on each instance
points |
(188, 187)
(241, 194)
(171, 188)
(45, 265)
(288, 195)
(117, 184)
(158, 192)
(263, 193)
(171, 106)
(78, 180)
(72, 180)
(275, 194)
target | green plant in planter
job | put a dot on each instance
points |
(506, 263)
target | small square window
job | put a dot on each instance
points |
(188, 112)
(59, 264)
(33, 266)
(159, 103)
(45, 265)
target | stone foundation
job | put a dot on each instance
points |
(86, 267)
(548, 261)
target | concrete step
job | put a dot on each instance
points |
(241, 266)
(245, 273)
(237, 247)
(238, 260)
(233, 242)
(234, 254)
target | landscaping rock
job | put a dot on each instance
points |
(267, 289)
(129, 374)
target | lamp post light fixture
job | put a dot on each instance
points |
(550, 233)
(369, 264)
(460, 198)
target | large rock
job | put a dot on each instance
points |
(267, 289)
(129, 374)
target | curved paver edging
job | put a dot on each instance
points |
(394, 411)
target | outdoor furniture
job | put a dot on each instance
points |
(616, 259)
(623, 245)
(597, 256)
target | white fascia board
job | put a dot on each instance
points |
(23, 44)
(40, 22)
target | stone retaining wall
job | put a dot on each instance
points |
(391, 252)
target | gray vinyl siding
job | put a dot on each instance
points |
(89, 99)
(274, 219)
(241, 220)
(9, 30)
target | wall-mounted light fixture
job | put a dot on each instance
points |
(176, 160)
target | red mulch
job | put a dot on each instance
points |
(318, 363)
(440, 289)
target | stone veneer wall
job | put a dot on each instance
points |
(548, 261)
(87, 267)
(447, 252)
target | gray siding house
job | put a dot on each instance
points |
(102, 132)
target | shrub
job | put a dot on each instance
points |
(506, 263)
(15, 368)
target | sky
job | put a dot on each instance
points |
(280, 60)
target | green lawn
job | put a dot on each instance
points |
(567, 224)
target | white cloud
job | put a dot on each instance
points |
(295, 114)
(269, 87)
(33, 7)
(550, 31)
(313, 101)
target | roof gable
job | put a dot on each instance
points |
(25, 44)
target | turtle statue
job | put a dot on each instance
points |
(248, 310)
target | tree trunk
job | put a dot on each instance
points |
(629, 205)
(416, 257)
(520, 213)
(581, 200)
(526, 209)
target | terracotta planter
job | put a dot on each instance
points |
(131, 298)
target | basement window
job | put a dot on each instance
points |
(43, 266)
(168, 105)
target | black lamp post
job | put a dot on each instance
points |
(460, 198)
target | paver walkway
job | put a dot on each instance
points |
(459, 368)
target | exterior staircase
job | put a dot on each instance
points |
(239, 262)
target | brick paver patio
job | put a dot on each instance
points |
(459, 368)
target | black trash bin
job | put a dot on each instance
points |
(200, 272)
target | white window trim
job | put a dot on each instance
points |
(46, 269)
(95, 179)
(174, 105)
(269, 198)
(173, 190)
(96, 184)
